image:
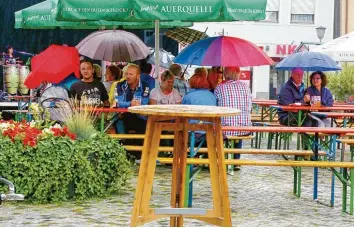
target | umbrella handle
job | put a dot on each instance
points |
(188, 66)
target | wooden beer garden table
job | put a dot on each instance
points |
(267, 109)
(331, 154)
(104, 110)
(346, 116)
(175, 118)
(295, 112)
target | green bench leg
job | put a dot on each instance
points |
(351, 191)
(187, 189)
(344, 196)
(230, 168)
(299, 170)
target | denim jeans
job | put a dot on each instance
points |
(239, 145)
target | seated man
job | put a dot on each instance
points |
(88, 90)
(132, 92)
(292, 92)
(235, 94)
(146, 78)
(179, 83)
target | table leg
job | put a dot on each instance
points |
(102, 123)
(216, 194)
(345, 186)
(142, 171)
(315, 172)
(192, 154)
(222, 174)
(182, 167)
(351, 191)
(333, 148)
(148, 184)
(175, 173)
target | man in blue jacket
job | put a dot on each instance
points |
(132, 92)
(146, 78)
(292, 92)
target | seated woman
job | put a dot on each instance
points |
(165, 93)
(199, 94)
(215, 77)
(318, 88)
(112, 76)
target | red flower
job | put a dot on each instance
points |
(29, 135)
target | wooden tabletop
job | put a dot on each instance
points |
(184, 110)
(310, 108)
(265, 103)
(333, 114)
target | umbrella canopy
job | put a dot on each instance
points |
(185, 36)
(53, 65)
(340, 49)
(42, 16)
(308, 61)
(113, 46)
(143, 10)
(166, 58)
(223, 51)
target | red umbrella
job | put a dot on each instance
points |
(53, 65)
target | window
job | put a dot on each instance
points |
(272, 11)
(302, 11)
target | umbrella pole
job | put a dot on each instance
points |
(185, 70)
(157, 45)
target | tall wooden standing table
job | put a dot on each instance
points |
(176, 118)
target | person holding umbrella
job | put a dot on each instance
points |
(88, 90)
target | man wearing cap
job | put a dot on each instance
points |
(292, 92)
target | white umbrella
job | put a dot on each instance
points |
(113, 46)
(340, 49)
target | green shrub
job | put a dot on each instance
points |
(341, 83)
(58, 169)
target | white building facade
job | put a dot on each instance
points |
(288, 23)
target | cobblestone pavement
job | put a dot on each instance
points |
(259, 196)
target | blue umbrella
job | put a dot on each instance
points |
(308, 61)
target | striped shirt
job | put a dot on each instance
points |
(235, 94)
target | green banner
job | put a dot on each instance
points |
(79, 10)
(163, 10)
(42, 16)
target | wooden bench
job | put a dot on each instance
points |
(136, 136)
(242, 162)
(319, 164)
(346, 141)
(238, 151)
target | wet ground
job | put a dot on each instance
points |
(259, 196)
